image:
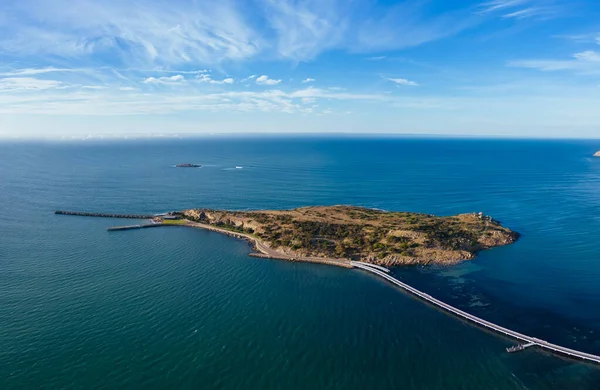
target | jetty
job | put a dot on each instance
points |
(130, 227)
(104, 215)
(528, 341)
(519, 347)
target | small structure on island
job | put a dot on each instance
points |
(170, 217)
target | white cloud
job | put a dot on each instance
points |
(586, 62)
(35, 71)
(308, 80)
(265, 80)
(164, 80)
(521, 9)
(522, 14)
(127, 89)
(205, 78)
(588, 55)
(156, 32)
(164, 34)
(400, 81)
(115, 102)
(409, 24)
(501, 5)
(27, 83)
(307, 28)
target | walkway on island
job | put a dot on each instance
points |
(469, 317)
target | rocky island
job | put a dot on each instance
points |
(188, 166)
(341, 233)
(597, 154)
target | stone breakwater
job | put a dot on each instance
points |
(104, 215)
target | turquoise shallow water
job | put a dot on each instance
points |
(182, 308)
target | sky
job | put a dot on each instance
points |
(80, 69)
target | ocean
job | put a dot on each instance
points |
(83, 308)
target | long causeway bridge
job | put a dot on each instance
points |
(527, 340)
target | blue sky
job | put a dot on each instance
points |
(121, 68)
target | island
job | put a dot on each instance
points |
(342, 233)
(188, 166)
(597, 154)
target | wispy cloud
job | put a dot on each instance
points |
(304, 29)
(522, 9)
(135, 32)
(585, 62)
(111, 102)
(265, 80)
(35, 71)
(160, 33)
(308, 80)
(501, 5)
(400, 81)
(410, 24)
(27, 83)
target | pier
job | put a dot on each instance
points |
(130, 227)
(528, 341)
(519, 347)
(104, 215)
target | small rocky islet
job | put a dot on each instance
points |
(357, 233)
(188, 165)
(597, 154)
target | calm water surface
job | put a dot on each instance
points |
(182, 308)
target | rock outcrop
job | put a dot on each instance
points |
(188, 165)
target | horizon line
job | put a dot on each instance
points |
(266, 135)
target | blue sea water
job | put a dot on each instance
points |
(180, 308)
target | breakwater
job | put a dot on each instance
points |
(130, 227)
(104, 215)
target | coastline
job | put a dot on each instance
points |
(265, 252)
